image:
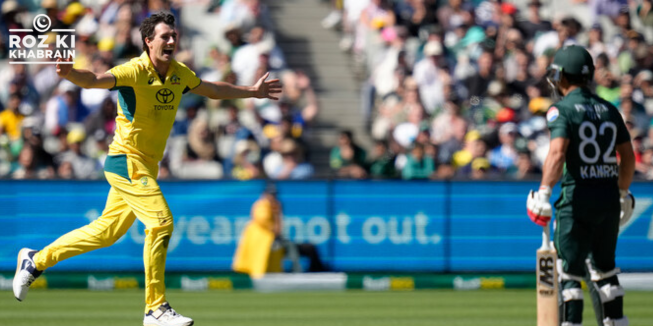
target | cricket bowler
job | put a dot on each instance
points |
(150, 88)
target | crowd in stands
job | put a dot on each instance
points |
(50, 128)
(457, 88)
(452, 88)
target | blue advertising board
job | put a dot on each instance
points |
(355, 225)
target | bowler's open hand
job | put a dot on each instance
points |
(266, 88)
(64, 69)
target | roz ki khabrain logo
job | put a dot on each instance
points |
(165, 96)
(41, 44)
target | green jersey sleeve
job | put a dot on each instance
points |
(557, 123)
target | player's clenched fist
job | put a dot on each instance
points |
(538, 206)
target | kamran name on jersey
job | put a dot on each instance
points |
(593, 112)
(599, 171)
(164, 107)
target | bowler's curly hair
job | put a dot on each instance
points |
(148, 25)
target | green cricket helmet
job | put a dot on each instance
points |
(575, 63)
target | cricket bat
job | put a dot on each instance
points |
(547, 282)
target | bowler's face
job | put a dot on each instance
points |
(164, 43)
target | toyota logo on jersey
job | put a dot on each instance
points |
(165, 96)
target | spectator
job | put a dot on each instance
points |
(382, 164)
(292, 166)
(645, 13)
(445, 123)
(534, 25)
(199, 159)
(607, 87)
(373, 18)
(33, 161)
(348, 159)
(418, 165)
(477, 85)
(473, 147)
(246, 57)
(62, 108)
(103, 119)
(246, 161)
(28, 167)
(11, 119)
(453, 14)
(595, 44)
(504, 156)
(634, 113)
(524, 168)
(643, 92)
(645, 168)
(430, 76)
(480, 168)
(609, 8)
(83, 167)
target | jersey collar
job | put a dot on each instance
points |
(145, 58)
(578, 90)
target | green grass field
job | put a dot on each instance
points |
(244, 308)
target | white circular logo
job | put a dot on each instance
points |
(553, 114)
(42, 23)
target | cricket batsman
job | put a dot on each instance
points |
(587, 133)
(150, 88)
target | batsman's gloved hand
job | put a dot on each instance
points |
(538, 206)
(627, 206)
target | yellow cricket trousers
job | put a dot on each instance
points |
(134, 194)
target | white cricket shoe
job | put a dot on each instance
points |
(26, 273)
(166, 316)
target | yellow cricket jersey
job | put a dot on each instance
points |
(11, 123)
(147, 106)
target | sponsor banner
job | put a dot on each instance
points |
(389, 226)
(356, 226)
(123, 281)
(380, 282)
(307, 282)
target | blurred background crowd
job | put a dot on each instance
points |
(449, 88)
(50, 128)
(456, 88)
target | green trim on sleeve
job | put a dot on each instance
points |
(127, 100)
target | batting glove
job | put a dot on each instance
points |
(538, 206)
(627, 206)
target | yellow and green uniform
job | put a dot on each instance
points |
(146, 111)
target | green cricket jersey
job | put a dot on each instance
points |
(594, 128)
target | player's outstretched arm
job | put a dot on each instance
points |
(220, 90)
(84, 78)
